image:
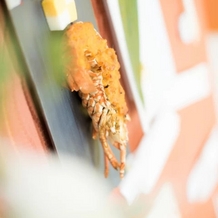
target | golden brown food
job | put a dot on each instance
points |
(93, 70)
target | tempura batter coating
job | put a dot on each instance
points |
(93, 70)
(88, 41)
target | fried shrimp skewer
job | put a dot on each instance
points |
(93, 71)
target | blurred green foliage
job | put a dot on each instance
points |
(56, 57)
(4, 73)
(129, 14)
(4, 64)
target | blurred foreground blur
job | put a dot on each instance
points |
(34, 186)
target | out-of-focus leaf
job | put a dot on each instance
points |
(4, 73)
(57, 57)
(129, 15)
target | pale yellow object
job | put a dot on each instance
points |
(59, 13)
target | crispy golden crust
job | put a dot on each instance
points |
(85, 48)
(93, 70)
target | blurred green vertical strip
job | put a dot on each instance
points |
(4, 71)
(129, 15)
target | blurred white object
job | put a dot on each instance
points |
(188, 87)
(203, 178)
(165, 204)
(188, 24)
(12, 3)
(47, 188)
(151, 156)
(59, 13)
(162, 85)
(156, 57)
